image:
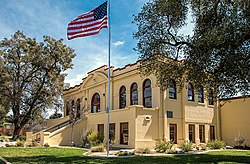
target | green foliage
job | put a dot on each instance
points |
(46, 145)
(98, 148)
(31, 73)
(55, 115)
(186, 146)
(19, 143)
(95, 138)
(22, 137)
(218, 48)
(216, 144)
(84, 138)
(125, 153)
(143, 151)
(162, 146)
(239, 140)
(4, 139)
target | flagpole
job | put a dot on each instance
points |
(109, 44)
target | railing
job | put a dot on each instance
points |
(58, 126)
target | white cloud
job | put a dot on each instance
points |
(118, 43)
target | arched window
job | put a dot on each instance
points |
(190, 92)
(210, 97)
(122, 97)
(67, 108)
(134, 94)
(95, 103)
(147, 95)
(78, 108)
(172, 89)
(200, 94)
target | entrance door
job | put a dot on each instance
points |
(173, 132)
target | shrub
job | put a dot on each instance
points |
(19, 143)
(238, 141)
(5, 139)
(84, 138)
(33, 144)
(99, 148)
(143, 151)
(216, 144)
(125, 153)
(22, 137)
(1, 139)
(46, 145)
(95, 138)
(186, 146)
(162, 146)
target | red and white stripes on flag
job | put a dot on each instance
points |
(89, 23)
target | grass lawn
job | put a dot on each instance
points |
(73, 155)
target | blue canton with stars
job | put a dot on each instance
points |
(100, 11)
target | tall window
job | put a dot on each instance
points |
(172, 89)
(173, 132)
(100, 128)
(95, 103)
(212, 133)
(134, 94)
(190, 92)
(124, 133)
(191, 133)
(78, 108)
(210, 97)
(202, 133)
(147, 94)
(122, 97)
(112, 131)
(200, 95)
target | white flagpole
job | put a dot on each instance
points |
(109, 44)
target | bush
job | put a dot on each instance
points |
(162, 146)
(22, 137)
(124, 153)
(186, 146)
(239, 140)
(33, 144)
(98, 148)
(84, 138)
(4, 139)
(19, 143)
(143, 151)
(95, 138)
(216, 144)
(46, 145)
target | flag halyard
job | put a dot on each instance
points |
(89, 23)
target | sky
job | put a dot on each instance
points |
(37, 18)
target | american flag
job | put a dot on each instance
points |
(89, 23)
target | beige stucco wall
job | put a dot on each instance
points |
(62, 136)
(235, 119)
(52, 122)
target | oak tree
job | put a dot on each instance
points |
(31, 76)
(216, 55)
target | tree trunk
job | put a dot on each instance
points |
(16, 131)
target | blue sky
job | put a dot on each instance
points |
(50, 17)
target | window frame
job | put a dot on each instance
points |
(190, 90)
(94, 104)
(122, 93)
(200, 94)
(172, 85)
(147, 86)
(132, 90)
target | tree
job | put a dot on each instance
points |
(30, 77)
(216, 56)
